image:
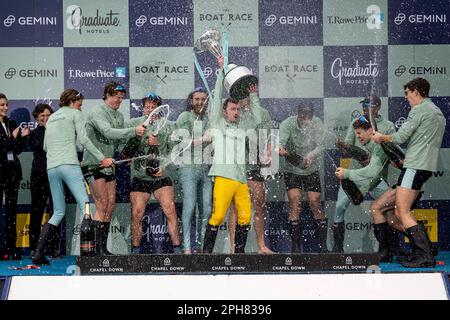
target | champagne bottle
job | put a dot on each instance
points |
(352, 191)
(90, 169)
(87, 233)
(295, 159)
(393, 152)
(356, 152)
(152, 162)
(132, 146)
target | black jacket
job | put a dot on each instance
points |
(36, 140)
(10, 171)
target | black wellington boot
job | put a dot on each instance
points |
(210, 238)
(295, 233)
(423, 256)
(101, 238)
(338, 235)
(47, 233)
(241, 238)
(395, 248)
(381, 231)
(322, 232)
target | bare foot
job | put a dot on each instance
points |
(265, 250)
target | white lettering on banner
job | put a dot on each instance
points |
(31, 21)
(433, 18)
(339, 72)
(90, 74)
(293, 20)
(76, 20)
(174, 21)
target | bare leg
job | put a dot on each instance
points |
(111, 197)
(405, 198)
(314, 204)
(165, 197)
(138, 202)
(257, 193)
(384, 203)
(100, 194)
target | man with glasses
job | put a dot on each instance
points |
(423, 130)
(369, 179)
(372, 104)
(105, 127)
(193, 172)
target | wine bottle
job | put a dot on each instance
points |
(352, 191)
(87, 234)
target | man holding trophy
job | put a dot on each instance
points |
(230, 173)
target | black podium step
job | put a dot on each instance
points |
(228, 264)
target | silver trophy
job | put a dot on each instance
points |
(237, 78)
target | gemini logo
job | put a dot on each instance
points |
(290, 20)
(31, 73)
(421, 70)
(29, 21)
(420, 18)
(161, 21)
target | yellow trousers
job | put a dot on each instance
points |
(225, 191)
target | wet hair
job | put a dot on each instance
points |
(3, 96)
(152, 97)
(306, 108)
(228, 100)
(41, 107)
(68, 96)
(191, 97)
(111, 88)
(420, 84)
(361, 124)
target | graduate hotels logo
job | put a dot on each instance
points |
(102, 21)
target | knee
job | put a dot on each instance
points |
(244, 218)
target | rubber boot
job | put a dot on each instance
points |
(47, 233)
(295, 233)
(322, 232)
(338, 235)
(423, 256)
(101, 238)
(381, 231)
(241, 238)
(210, 238)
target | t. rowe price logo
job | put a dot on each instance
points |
(292, 70)
(420, 70)
(161, 21)
(29, 21)
(420, 18)
(119, 72)
(290, 20)
(95, 24)
(31, 73)
(354, 74)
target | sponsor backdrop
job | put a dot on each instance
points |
(328, 52)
